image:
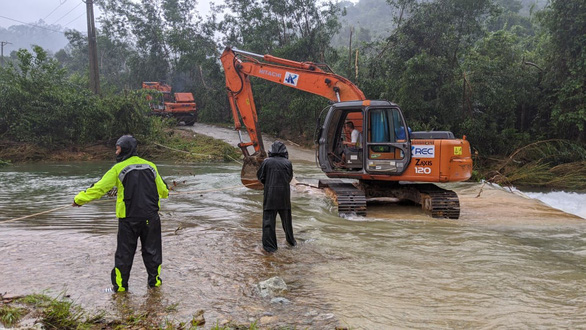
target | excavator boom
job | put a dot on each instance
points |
(238, 69)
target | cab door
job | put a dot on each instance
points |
(387, 148)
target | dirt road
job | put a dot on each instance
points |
(296, 153)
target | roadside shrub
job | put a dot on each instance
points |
(41, 106)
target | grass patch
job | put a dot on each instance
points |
(236, 326)
(62, 313)
(36, 300)
(59, 312)
(550, 164)
(11, 315)
(184, 145)
(168, 144)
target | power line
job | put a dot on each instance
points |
(38, 26)
(60, 4)
(73, 20)
(68, 12)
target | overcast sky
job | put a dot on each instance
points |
(67, 13)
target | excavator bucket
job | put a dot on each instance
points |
(248, 173)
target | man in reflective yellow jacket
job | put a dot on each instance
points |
(140, 188)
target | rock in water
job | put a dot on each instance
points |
(280, 300)
(271, 286)
(198, 318)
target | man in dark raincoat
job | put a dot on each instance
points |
(140, 188)
(275, 173)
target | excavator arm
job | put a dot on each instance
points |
(239, 66)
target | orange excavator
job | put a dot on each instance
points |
(389, 162)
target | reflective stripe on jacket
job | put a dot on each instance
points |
(136, 175)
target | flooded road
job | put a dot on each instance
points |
(508, 262)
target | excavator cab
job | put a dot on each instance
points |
(346, 154)
(384, 146)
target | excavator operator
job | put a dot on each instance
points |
(352, 146)
(355, 136)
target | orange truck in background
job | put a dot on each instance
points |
(180, 106)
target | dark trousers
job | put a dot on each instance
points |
(149, 232)
(269, 237)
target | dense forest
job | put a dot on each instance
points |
(371, 20)
(505, 73)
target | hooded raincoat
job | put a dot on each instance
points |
(275, 173)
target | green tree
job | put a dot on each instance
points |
(142, 22)
(566, 67)
(171, 43)
(113, 58)
(41, 105)
(501, 94)
(299, 30)
(419, 64)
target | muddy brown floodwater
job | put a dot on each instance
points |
(508, 262)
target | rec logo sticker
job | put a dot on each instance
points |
(423, 151)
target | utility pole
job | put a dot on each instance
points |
(2, 43)
(350, 51)
(92, 48)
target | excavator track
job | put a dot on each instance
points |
(438, 202)
(350, 199)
